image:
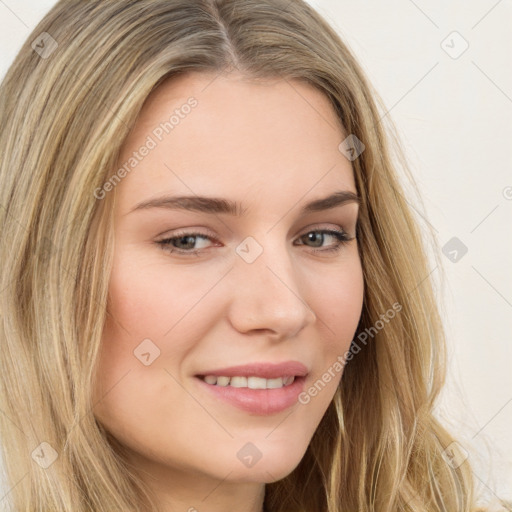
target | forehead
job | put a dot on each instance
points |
(232, 136)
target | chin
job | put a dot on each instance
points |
(263, 473)
(261, 462)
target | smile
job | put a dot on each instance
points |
(249, 395)
(251, 382)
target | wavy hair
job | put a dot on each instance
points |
(68, 102)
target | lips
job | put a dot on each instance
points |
(263, 370)
(264, 401)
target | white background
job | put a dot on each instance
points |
(454, 116)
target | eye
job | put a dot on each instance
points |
(312, 236)
(185, 243)
(176, 243)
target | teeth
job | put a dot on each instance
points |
(256, 383)
(238, 382)
(275, 383)
(211, 379)
(249, 382)
(220, 381)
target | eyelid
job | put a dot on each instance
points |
(321, 226)
(209, 233)
(188, 231)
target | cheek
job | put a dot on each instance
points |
(143, 307)
(156, 302)
(138, 303)
(149, 299)
(338, 309)
(338, 303)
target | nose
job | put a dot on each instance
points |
(268, 295)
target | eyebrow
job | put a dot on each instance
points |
(215, 205)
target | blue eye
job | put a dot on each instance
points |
(184, 243)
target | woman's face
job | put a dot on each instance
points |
(268, 287)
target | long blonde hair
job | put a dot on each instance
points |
(67, 104)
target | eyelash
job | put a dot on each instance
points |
(341, 236)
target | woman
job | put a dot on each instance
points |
(290, 361)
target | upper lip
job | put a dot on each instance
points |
(263, 370)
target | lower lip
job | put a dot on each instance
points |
(258, 401)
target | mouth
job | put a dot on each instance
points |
(252, 394)
(257, 388)
(250, 382)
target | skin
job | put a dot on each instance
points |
(272, 146)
